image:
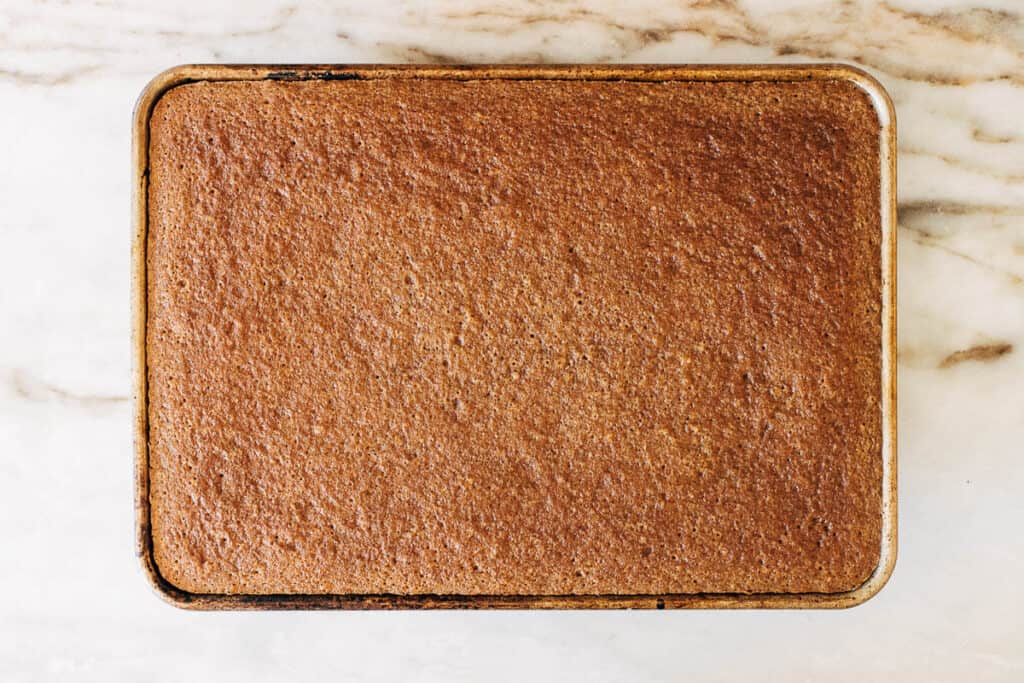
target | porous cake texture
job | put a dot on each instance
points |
(514, 337)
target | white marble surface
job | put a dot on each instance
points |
(73, 603)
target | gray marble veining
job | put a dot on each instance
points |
(75, 605)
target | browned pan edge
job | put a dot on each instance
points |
(755, 72)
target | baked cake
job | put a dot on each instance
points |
(514, 336)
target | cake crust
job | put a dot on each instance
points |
(498, 337)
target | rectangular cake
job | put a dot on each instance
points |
(515, 336)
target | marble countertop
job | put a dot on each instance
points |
(76, 605)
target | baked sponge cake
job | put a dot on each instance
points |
(515, 336)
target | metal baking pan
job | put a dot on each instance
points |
(762, 73)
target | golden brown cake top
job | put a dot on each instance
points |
(514, 337)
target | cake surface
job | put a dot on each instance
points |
(514, 337)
